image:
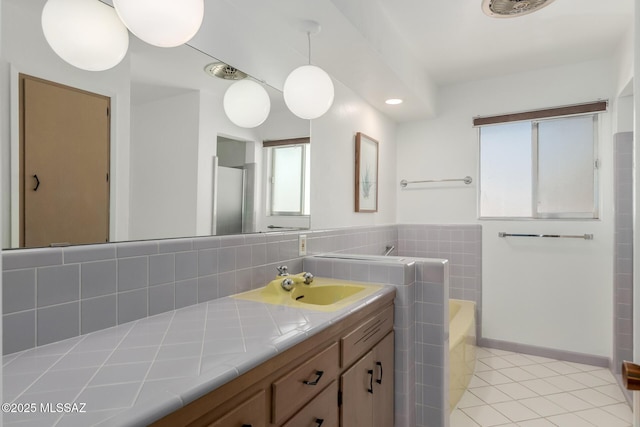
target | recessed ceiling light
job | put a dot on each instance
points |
(393, 101)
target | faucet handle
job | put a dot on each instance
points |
(282, 270)
(308, 278)
(287, 284)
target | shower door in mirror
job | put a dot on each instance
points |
(64, 179)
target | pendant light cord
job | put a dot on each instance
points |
(309, 40)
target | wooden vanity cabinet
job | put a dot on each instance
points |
(341, 376)
(367, 388)
(247, 414)
(383, 383)
(292, 391)
(322, 411)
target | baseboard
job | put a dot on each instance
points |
(567, 356)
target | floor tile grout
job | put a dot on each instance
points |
(580, 395)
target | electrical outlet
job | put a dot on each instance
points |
(302, 244)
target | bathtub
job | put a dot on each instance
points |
(462, 347)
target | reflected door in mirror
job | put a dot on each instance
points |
(65, 164)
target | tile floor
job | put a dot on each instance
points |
(511, 389)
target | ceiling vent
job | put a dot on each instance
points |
(512, 8)
(224, 71)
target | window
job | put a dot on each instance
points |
(289, 180)
(544, 168)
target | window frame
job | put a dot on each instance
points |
(534, 214)
(271, 179)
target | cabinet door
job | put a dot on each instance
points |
(251, 413)
(383, 383)
(357, 394)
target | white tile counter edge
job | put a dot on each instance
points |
(33, 373)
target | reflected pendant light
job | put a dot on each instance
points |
(308, 90)
(246, 103)
(85, 33)
(162, 23)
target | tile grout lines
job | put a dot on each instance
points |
(511, 389)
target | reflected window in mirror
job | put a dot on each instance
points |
(288, 169)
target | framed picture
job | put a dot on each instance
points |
(366, 173)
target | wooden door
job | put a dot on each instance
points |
(357, 394)
(64, 164)
(383, 383)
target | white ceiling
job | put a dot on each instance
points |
(408, 48)
(405, 48)
(455, 41)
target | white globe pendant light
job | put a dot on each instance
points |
(163, 23)
(85, 33)
(246, 103)
(308, 90)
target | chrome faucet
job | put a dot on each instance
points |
(289, 281)
(388, 250)
(282, 270)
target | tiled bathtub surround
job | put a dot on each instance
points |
(51, 294)
(432, 342)
(461, 244)
(402, 275)
(623, 249)
(421, 326)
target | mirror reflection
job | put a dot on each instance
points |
(143, 150)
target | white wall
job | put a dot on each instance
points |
(164, 150)
(624, 60)
(4, 135)
(623, 114)
(636, 203)
(557, 293)
(283, 124)
(333, 163)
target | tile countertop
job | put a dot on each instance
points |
(136, 373)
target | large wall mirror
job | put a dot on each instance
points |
(175, 165)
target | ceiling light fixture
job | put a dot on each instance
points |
(224, 71)
(308, 90)
(85, 33)
(246, 103)
(162, 23)
(512, 8)
(393, 101)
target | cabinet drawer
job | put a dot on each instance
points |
(251, 412)
(321, 411)
(360, 340)
(296, 388)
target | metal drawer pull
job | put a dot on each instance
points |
(379, 381)
(315, 382)
(37, 183)
(247, 425)
(370, 389)
(319, 421)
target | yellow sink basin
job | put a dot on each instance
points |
(323, 294)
